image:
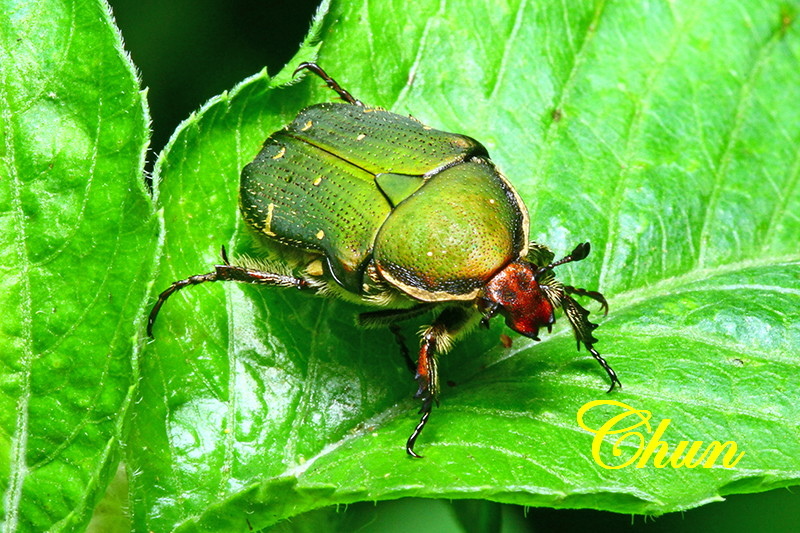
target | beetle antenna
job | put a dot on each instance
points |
(330, 82)
(578, 254)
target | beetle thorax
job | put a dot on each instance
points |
(520, 298)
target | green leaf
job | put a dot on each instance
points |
(78, 239)
(668, 138)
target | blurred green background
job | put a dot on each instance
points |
(190, 50)
(187, 52)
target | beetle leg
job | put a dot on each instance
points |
(401, 341)
(436, 339)
(330, 82)
(578, 317)
(428, 378)
(226, 272)
(492, 308)
(391, 317)
(594, 295)
(610, 371)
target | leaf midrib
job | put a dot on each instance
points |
(18, 469)
(638, 295)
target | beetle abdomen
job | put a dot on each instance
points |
(445, 241)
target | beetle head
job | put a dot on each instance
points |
(526, 295)
(515, 293)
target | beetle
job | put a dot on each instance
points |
(375, 207)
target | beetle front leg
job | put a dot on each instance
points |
(594, 295)
(578, 317)
(436, 339)
(226, 272)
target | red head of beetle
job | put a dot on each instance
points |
(516, 294)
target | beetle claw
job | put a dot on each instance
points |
(413, 438)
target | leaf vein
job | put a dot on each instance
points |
(566, 89)
(412, 72)
(507, 49)
(726, 156)
(634, 127)
(782, 203)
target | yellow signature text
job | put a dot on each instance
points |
(634, 441)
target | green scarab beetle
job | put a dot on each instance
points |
(377, 207)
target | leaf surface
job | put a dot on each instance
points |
(668, 138)
(77, 249)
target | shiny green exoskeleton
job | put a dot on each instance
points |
(377, 207)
